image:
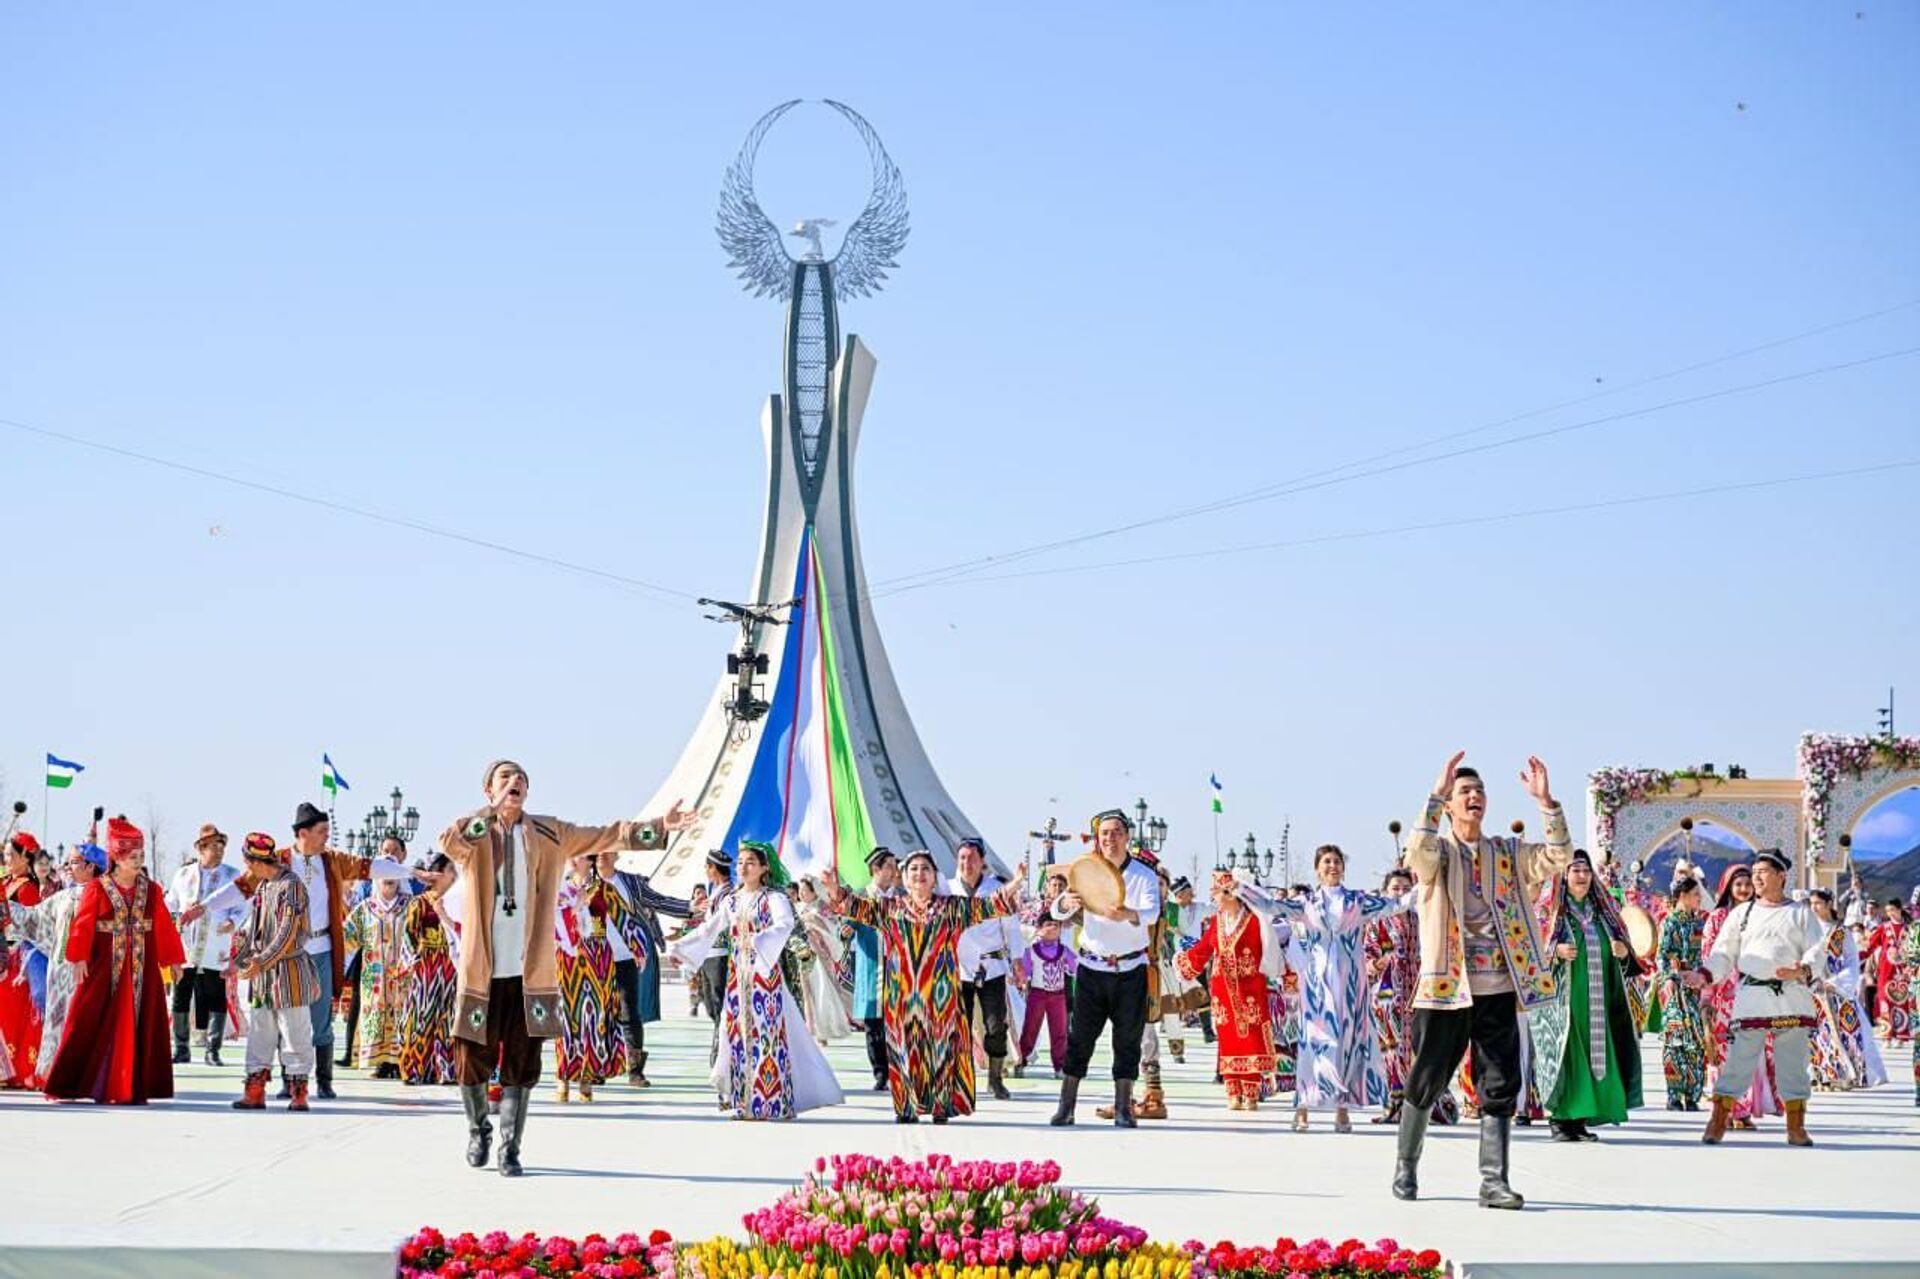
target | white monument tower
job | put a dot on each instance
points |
(808, 745)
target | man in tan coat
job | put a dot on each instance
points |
(511, 864)
(1482, 962)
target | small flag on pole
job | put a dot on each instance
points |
(1213, 779)
(61, 772)
(330, 779)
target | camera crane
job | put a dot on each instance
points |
(747, 665)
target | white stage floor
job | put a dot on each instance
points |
(349, 1180)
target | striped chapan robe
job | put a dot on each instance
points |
(929, 1045)
(593, 1045)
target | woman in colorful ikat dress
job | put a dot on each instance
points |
(1886, 952)
(1844, 1055)
(767, 1066)
(1340, 1063)
(426, 1021)
(1684, 1037)
(374, 931)
(593, 1046)
(929, 1044)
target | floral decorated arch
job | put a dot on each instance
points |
(1843, 777)
(1632, 811)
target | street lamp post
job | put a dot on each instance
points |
(401, 822)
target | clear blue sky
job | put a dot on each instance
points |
(461, 269)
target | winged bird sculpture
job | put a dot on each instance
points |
(756, 250)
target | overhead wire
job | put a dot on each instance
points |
(1305, 481)
(345, 508)
(1434, 525)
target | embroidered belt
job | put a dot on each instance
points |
(1762, 983)
(1112, 961)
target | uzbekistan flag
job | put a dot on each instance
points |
(1213, 779)
(803, 794)
(61, 772)
(330, 779)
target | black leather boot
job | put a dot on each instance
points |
(1406, 1157)
(181, 1029)
(323, 1078)
(1496, 1133)
(214, 1036)
(1123, 1104)
(479, 1131)
(1069, 1098)
(997, 1078)
(513, 1122)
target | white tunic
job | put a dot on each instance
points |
(1758, 940)
(208, 939)
(986, 950)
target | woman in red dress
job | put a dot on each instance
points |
(19, 1016)
(115, 1049)
(1234, 941)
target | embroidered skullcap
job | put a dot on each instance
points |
(1224, 881)
(94, 855)
(123, 837)
(720, 859)
(486, 779)
(1147, 856)
(974, 842)
(1112, 814)
(258, 847)
(919, 854)
(25, 842)
(1775, 858)
(1581, 858)
(877, 856)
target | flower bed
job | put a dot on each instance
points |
(859, 1217)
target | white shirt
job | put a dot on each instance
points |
(510, 931)
(986, 947)
(312, 870)
(1757, 943)
(1110, 946)
(207, 945)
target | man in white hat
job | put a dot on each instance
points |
(200, 990)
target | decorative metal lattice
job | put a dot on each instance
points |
(757, 251)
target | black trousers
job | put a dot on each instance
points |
(507, 1045)
(713, 973)
(991, 996)
(1101, 999)
(626, 975)
(877, 1045)
(1442, 1036)
(350, 976)
(204, 992)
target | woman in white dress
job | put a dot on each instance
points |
(767, 1066)
(829, 1014)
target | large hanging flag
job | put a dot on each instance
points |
(330, 779)
(61, 772)
(803, 795)
(1213, 780)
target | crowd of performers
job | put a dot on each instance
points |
(1496, 967)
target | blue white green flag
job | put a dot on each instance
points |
(330, 779)
(61, 772)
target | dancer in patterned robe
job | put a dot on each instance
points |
(374, 931)
(1886, 952)
(1340, 1063)
(1760, 1099)
(929, 1045)
(45, 928)
(1684, 1038)
(593, 1045)
(767, 1065)
(1844, 1055)
(1393, 966)
(21, 1026)
(1586, 1048)
(1243, 954)
(115, 1049)
(426, 1023)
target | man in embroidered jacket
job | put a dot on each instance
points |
(512, 863)
(1775, 946)
(1482, 961)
